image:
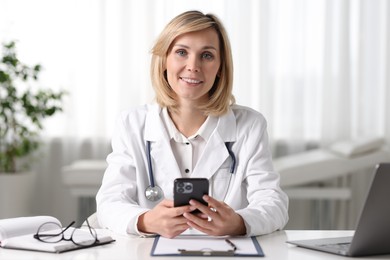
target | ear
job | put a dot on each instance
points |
(219, 72)
(164, 63)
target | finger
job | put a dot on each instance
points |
(182, 227)
(201, 229)
(166, 203)
(216, 205)
(202, 215)
(199, 214)
(181, 220)
(175, 232)
(191, 218)
(212, 202)
(203, 208)
(205, 229)
(179, 211)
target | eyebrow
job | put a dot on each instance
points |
(207, 47)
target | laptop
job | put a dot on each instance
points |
(372, 234)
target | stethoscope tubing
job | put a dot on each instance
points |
(233, 166)
(150, 169)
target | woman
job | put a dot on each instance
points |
(194, 130)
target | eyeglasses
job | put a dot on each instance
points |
(51, 232)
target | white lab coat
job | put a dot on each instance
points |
(254, 191)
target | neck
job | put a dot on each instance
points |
(188, 120)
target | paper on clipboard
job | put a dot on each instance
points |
(246, 246)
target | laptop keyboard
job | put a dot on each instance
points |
(338, 246)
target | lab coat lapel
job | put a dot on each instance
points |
(216, 153)
(163, 160)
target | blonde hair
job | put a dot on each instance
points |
(220, 95)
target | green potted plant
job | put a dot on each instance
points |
(23, 107)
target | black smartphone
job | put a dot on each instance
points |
(185, 189)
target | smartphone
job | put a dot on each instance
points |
(185, 189)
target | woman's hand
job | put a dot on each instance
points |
(164, 219)
(217, 219)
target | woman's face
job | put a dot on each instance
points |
(193, 64)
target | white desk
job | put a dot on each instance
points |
(131, 247)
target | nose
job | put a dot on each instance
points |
(193, 64)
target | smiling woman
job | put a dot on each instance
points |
(196, 134)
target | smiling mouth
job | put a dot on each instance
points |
(191, 81)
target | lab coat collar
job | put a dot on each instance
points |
(154, 127)
(214, 155)
(155, 130)
(226, 127)
(161, 151)
(204, 131)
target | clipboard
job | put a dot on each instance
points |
(206, 246)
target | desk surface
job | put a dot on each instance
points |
(130, 247)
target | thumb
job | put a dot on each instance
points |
(166, 203)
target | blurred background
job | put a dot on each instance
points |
(319, 71)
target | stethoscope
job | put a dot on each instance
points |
(154, 193)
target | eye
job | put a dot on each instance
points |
(181, 52)
(207, 56)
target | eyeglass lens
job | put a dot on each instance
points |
(84, 237)
(52, 233)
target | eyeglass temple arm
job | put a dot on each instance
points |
(89, 227)
(71, 224)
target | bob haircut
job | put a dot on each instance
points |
(220, 95)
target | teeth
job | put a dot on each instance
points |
(192, 81)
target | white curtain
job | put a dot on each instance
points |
(318, 70)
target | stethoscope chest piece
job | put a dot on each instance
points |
(154, 193)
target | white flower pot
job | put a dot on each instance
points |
(16, 190)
